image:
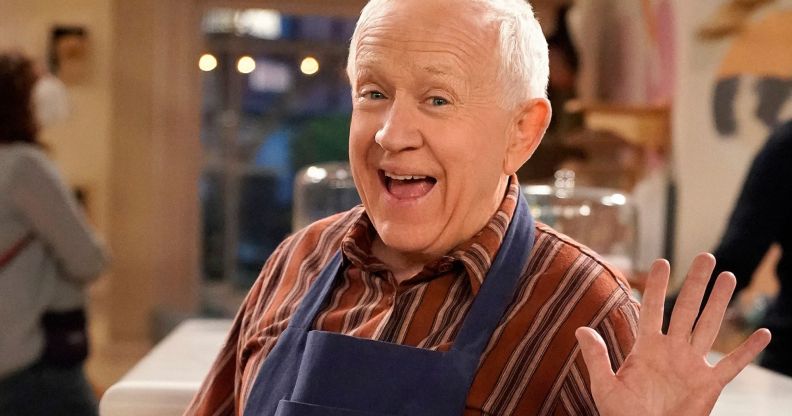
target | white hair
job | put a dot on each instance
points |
(524, 68)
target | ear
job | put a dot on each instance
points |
(530, 123)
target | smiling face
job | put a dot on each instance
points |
(430, 147)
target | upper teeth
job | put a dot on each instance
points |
(404, 177)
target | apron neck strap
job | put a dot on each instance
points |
(500, 284)
(316, 295)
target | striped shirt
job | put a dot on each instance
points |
(532, 364)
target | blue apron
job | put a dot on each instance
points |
(312, 372)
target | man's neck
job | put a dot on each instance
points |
(403, 266)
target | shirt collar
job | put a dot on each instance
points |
(474, 255)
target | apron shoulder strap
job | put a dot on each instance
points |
(500, 284)
(317, 293)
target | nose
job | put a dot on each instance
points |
(400, 130)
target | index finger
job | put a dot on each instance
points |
(650, 321)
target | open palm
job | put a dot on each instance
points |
(669, 374)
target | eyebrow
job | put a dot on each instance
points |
(441, 71)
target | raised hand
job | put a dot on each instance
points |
(669, 374)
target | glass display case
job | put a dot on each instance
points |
(603, 219)
(322, 190)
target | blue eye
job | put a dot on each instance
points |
(375, 95)
(439, 101)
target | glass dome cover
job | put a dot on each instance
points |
(322, 190)
(603, 219)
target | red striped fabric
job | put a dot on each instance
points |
(532, 365)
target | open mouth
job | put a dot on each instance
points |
(406, 186)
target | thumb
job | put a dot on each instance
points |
(595, 354)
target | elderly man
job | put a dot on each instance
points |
(440, 295)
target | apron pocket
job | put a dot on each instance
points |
(290, 408)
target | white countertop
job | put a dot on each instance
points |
(756, 392)
(164, 382)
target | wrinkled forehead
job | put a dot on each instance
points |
(439, 36)
(471, 16)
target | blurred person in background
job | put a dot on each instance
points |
(759, 219)
(48, 254)
(554, 150)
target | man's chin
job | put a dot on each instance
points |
(405, 233)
